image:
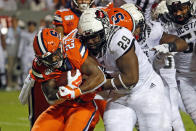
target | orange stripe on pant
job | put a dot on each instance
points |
(68, 118)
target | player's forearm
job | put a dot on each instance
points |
(181, 45)
(120, 82)
(176, 44)
(93, 82)
(49, 90)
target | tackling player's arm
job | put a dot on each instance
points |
(129, 72)
(175, 43)
(95, 78)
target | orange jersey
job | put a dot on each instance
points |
(61, 117)
(75, 54)
(67, 18)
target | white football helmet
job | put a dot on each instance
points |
(160, 9)
(138, 18)
(175, 5)
(83, 6)
(93, 23)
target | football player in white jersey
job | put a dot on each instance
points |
(145, 5)
(182, 22)
(150, 35)
(136, 90)
(2, 60)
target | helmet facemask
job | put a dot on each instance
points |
(52, 60)
(139, 32)
(85, 4)
(180, 13)
(95, 41)
(94, 31)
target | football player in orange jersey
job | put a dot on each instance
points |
(66, 20)
(53, 57)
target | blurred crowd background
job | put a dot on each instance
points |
(19, 22)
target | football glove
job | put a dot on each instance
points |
(68, 93)
(166, 48)
(74, 81)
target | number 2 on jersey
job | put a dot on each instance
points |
(69, 44)
(124, 43)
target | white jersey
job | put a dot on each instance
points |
(153, 35)
(26, 45)
(26, 52)
(2, 58)
(146, 101)
(185, 61)
(117, 48)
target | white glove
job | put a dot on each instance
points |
(68, 93)
(164, 48)
(28, 84)
(74, 81)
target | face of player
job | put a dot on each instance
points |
(92, 41)
(83, 4)
(181, 12)
(55, 59)
(95, 42)
(137, 32)
(84, 1)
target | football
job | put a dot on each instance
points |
(62, 80)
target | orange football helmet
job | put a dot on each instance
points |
(48, 48)
(121, 17)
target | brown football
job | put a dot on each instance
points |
(60, 81)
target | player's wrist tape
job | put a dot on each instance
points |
(122, 83)
(172, 47)
(113, 85)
